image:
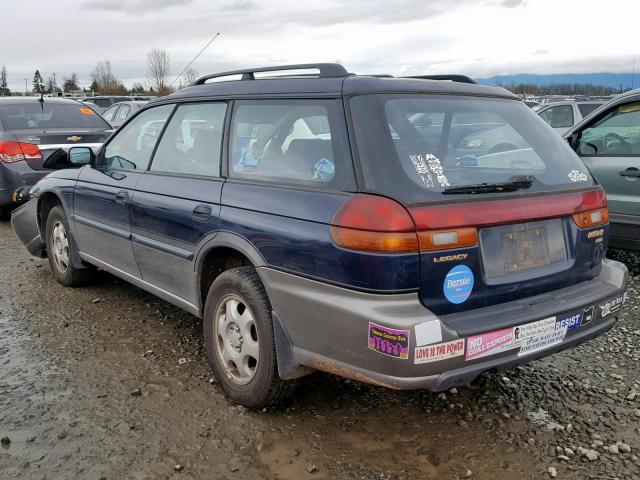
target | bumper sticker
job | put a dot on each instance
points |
(428, 333)
(533, 329)
(570, 322)
(612, 306)
(458, 284)
(441, 351)
(479, 346)
(541, 342)
(587, 315)
(388, 341)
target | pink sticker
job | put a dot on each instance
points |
(490, 343)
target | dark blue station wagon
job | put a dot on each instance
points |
(320, 220)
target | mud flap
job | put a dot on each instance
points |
(288, 369)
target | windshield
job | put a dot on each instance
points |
(418, 148)
(50, 115)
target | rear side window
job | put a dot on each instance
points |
(123, 113)
(191, 143)
(419, 148)
(291, 141)
(559, 117)
(587, 108)
(615, 134)
(110, 113)
(132, 146)
(36, 116)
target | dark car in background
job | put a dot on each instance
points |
(35, 135)
(118, 113)
(329, 222)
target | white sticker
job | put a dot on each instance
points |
(535, 344)
(577, 176)
(440, 351)
(427, 164)
(428, 333)
(534, 329)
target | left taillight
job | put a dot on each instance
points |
(11, 152)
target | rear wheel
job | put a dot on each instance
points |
(238, 332)
(59, 249)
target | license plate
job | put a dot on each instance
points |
(525, 250)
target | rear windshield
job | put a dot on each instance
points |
(416, 148)
(37, 116)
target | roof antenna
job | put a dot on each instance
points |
(194, 59)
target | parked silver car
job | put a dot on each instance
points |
(118, 113)
(564, 115)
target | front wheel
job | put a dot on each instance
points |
(59, 248)
(239, 338)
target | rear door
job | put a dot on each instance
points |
(103, 193)
(176, 205)
(610, 147)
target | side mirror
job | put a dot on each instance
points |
(79, 156)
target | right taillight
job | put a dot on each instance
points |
(11, 152)
(591, 218)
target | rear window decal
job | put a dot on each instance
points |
(577, 176)
(439, 351)
(427, 164)
(458, 284)
(389, 341)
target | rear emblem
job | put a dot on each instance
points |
(74, 138)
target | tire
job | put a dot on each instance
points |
(238, 327)
(60, 244)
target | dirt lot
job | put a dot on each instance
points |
(108, 382)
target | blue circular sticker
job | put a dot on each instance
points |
(458, 284)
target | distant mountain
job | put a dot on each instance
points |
(613, 80)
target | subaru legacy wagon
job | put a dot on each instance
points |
(315, 221)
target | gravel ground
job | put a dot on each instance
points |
(108, 382)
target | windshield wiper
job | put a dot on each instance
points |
(519, 182)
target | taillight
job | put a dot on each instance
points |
(374, 224)
(592, 218)
(11, 152)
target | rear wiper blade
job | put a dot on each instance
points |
(515, 183)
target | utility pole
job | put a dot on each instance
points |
(25, 86)
(55, 87)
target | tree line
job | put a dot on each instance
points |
(104, 81)
(585, 89)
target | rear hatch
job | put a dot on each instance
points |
(53, 140)
(500, 213)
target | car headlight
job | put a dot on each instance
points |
(476, 142)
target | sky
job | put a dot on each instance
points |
(479, 38)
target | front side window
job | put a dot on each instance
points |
(425, 148)
(559, 117)
(616, 133)
(132, 146)
(191, 142)
(587, 108)
(290, 141)
(110, 113)
(123, 113)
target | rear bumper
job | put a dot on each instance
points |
(14, 176)
(327, 328)
(24, 221)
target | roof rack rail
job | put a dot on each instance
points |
(327, 70)
(451, 78)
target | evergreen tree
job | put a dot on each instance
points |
(38, 83)
(4, 87)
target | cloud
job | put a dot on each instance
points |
(138, 7)
(513, 3)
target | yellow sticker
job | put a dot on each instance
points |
(631, 107)
(87, 111)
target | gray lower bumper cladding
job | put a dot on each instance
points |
(394, 341)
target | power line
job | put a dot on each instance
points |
(195, 58)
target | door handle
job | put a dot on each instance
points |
(202, 211)
(630, 172)
(122, 197)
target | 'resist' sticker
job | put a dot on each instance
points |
(490, 343)
(439, 351)
(569, 322)
(389, 341)
(546, 340)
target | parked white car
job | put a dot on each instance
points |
(562, 116)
